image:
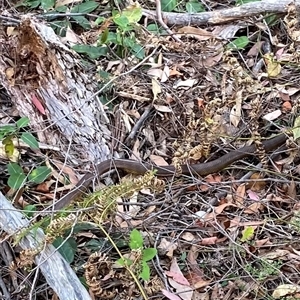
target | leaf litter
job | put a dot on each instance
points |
(218, 235)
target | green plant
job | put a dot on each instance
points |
(264, 269)
(10, 132)
(239, 43)
(124, 38)
(139, 257)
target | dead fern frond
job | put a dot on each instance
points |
(58, 226)
(105, 199)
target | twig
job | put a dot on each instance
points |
(139, 123)
(123, 74)
(4, 289)
(8, 19)
(162, 23)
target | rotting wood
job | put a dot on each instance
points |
(42, 68)
(36, 66)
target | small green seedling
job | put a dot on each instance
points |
(17, 177)
(139, 256)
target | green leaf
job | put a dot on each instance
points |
(80, 227)
(99, 20)
(194, 6)
(61, 9)
(145, 274)
(9, 146)
(7, 129)
(121, 21)
(60, 27)
(148, 254)
(30, 4)
(138, 51)
(239, 43)
(47, 4)
(29, 210)
(66, 248)
(296, 129)
(14, 169)
(85, 8)
(271, 19)
(136, 240)
(104, 36)
(82, 21)
(92, 51)
(124, 262)
(40, 174)
(154, 28)
(16, 181)
(30, 140)
(133, 14)
(168, 5)
(240, 2)
(121, 262)
(248, 233)
(95, 245)
(111, 37)
(23, 122)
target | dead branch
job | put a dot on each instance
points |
(224, 15)
(56, 270)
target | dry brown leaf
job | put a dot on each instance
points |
(261, 243)
(43, 187)
(178, 277)
(239, 195)
(185, 83)
(162, 108)
(156, 88)
(174, 72)
(273, 67)
(291, 191)
(170, 295)
(165, 74)
(196, 33)
(187, 236)
(167, 248)
(284, 290)
(184, 291)
(218, 210)
(211, 61)
(155, 72)
(254, 208)
(10, 72)
(71, 37)
(196, 280)
(158, 160)
(272, 115)
(236, 111)
(66, 170)
(209, 241)
(255, 49)
(256, 186)
(286, 106)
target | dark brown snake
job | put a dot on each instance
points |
(135, 167)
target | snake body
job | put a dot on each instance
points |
(136, 167)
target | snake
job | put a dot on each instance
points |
(136, 167)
